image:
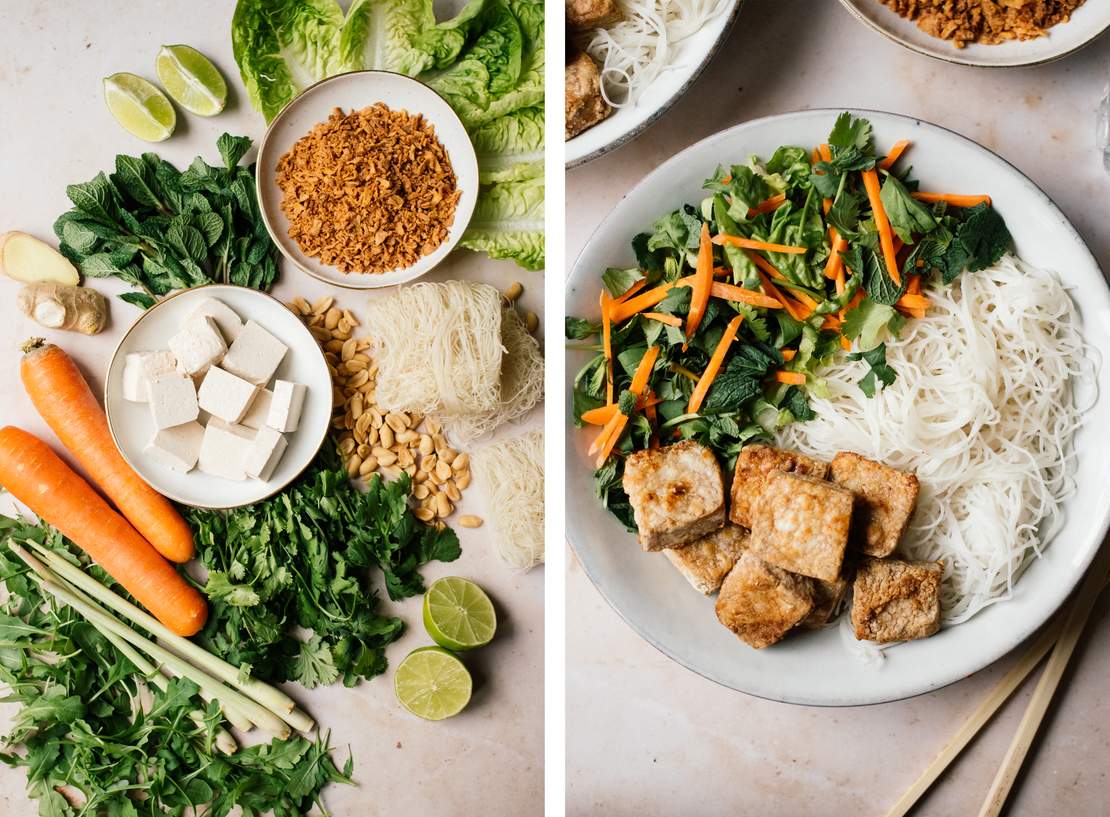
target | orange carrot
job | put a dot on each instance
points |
(747, 296)
(789, 305)
(914, 301)
(615, 427)
(645, 300)
(896, 152)
(607, 342)
(753, 244)
(603, 414)
(38, 478)
(886, 238)
(825, 155)
(804, 298)
(951, 198)
(841, 283)
(845, 344)
(914, 285)
(765, 265)
(703, 280)
(606, 432)
(64, 400)
(670, 320)
(643, 371)
(632, 290)
(715, 361)
(835, 262)
(788, 354)
(768, 205)
(791, 378)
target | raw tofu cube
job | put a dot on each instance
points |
(894, 600)
(285, 408)
(198, 346)
(255, 354)
(705, 562)
(173, 400)
(761, 603)
(258, 412)
(753, 464)
(177, 447)
(826, 599)
(885, 499)
(676, 493)
(223, 451)
(229, 323)
(801, 524)
(265, 453)
(139, 367)
(224, 395)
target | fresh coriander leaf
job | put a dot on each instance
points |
(845, 211)
(313, 666)
(580, 328)
(906, 214)
(850, 132)
(880, 375)
(619, 281)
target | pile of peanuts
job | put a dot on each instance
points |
(372, 440)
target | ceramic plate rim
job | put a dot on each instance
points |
(108, 401)
(464, 164)
(1086, 548)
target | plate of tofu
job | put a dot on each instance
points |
(218, 396)
(781, 575)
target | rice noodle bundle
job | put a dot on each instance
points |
(510, 474)
(983, 410)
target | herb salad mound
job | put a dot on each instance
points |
(720, 332)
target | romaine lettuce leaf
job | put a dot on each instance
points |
(508, 218)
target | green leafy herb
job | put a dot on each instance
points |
(796, 403)
(579, 329)
(741, 380)
(984, 236)
(906, 214)
(619, 281)
(880, 375)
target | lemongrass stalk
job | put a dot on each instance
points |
(224, 740)
(75, 598)
(270, 697)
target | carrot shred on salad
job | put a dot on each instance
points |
(788, 354)
(632, 290)
(703, 281)
(603, 414)
(886, 236)
(790, 378)
(607, 342)
(615, 427)
(951, 198)
(753, 244)
(662, 317)
(768, 205)
(646, 300)
(789, 305)
(896, 151)
(715, 361)
(729, 292)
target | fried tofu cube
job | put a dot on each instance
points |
(801, 524)
(826, 598)
(586, 14)
(893, 600)
(676, 493)
(885, 499)
(761, 603)
(585, 106)
(753, 464)
(705, 562)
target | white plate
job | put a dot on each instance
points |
(131, 425)
(689, 58)
(816, 668)
(353, 91)
(1086, 23)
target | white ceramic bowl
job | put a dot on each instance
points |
(1086, 23)
(131, 425)
(353, 91)
(817, 668)
(688, 59)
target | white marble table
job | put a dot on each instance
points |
(56, 131)
(679, 745)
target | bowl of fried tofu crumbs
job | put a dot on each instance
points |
(367, 179)
(989, 33)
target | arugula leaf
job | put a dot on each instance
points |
(880, 374)
(906, 214)
(618, 281)
(580, 328)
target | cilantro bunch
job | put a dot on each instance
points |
(161, 229)
(302, 560)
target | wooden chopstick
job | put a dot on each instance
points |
(1078, 614)
(983, 713)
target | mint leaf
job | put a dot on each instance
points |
(984, 236)
(796, 403)
(877, 283)
(880, 375)
(850, 132)
(232, 148)
(741, 380)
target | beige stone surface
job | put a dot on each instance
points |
(648, 738)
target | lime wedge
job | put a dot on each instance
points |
(433, 684)
(191, 79)
(458, 615)
(139, 106)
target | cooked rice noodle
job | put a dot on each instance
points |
(632, 53)
(510, 475)
(983, 410)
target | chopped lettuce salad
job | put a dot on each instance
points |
(720, 330)
(487, 61)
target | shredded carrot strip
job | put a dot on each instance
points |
(607, 342)
(748, 296)
(911, 311)
(886, 238)
(815, 157)
(670, 320)
(719, 271)
(715, 361)
(617, 424)
(643, 371)
(951, 198)
(603, 414)
(841, 284)
(767, 205)
(896, 152)
(912, 301)
(703, 281)
(632, 290)
(914, 286)
(792, 378)
(606, 432)
(790, 306)
(824, 153)
(835, 262)
(787, 354)
(831, 322)
(765, 265)
(804, 298)
(845, 344)
(752, 244)
(646, 300)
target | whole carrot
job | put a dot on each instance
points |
(38, 478)
(64, 400)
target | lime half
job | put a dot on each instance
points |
(432, 683)
(191, 79)
(458, 614)
(139, 106)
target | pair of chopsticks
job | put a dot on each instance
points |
(1060, 637)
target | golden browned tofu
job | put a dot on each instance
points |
(753, 464)
(705, 562)
(894, 600)
(586, 14)
(885, 499)
(826, 598)
(761, 603)
(676, 494)
(585, 106)
(801, 524)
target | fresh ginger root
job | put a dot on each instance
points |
(60, 306)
